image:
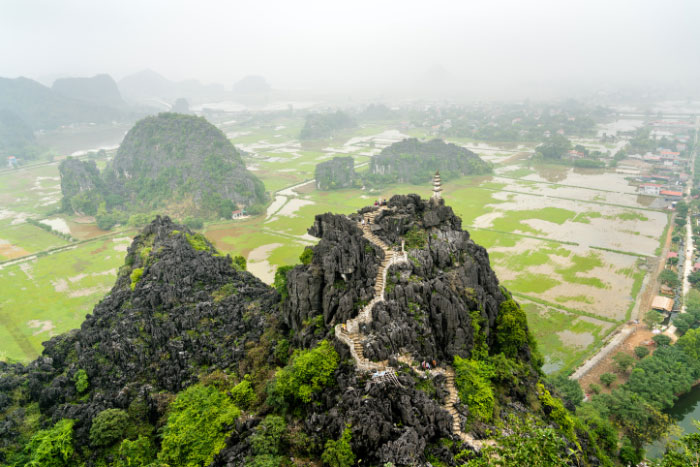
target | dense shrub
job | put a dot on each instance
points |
(81, 381)
(52, 447)
(242, 393)
(308, 372)
(339, 453)
(306, 256)
(511, 329)
(474, 387)
(239, 262)
(108, 427)
(197, 426)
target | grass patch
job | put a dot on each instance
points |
(63, 287)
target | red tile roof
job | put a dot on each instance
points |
(671, 193)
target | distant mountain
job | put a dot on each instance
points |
(251, 84)
(42, 108)
(100, 89)
(179, 164)
(147, 86)
(252, 90)
(16, 137)
(337, 173)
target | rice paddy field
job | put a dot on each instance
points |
(572, 245)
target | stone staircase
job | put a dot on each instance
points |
(350, 334)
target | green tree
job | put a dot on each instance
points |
(240, 263)
(197, 426)
(137, 453)
(339, 453)
(280, 282)
(526, 444)
(511, 329)
(690, 344)
(623, 361)
(694, 278)
(81, 381)
(569, 389)
(474, 387)
(308, 372)
(306, 256)
(554, 147)
(52, 447)
(607, 379)
(652, 318)
(108, 427)
(684, 452)
(661, 340)
(669, 278)
(641, 351)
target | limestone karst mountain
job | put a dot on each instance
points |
(392, 343)
(173, 163)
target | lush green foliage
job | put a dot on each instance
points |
(240, 263)
(108, 427)
(682, 453)
(339, 453)
(136, 453)
(608, 378)
(268, 441)
(280, 282)
(81, 381)
(525, 444)
(415, 238)
(511, 329)
(557, 412)
(554, 147)
(474, 387)
(306, 256)
(623, 361)
(197, 426)
(319, 126)
(198, 242)
(135, 277)
(669, 278)
(569, 389)
(308, 372)
(52, 447)
(242, 394)
(415, 161)
(641, 351)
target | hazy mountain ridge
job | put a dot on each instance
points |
(99, 90)
(42, 108)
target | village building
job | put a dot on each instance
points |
(662, 304)
(237, 214)
(668, 194)
(650, 188)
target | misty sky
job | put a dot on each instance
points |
(333, 45)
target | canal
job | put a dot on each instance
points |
(686, 410)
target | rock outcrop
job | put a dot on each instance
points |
(336, 174)
(415, 161)
(181, 313)
(178, 164)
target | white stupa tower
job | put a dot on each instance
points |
(437, 186)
